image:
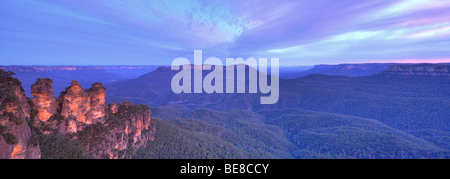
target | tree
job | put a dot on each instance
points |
(6, 88)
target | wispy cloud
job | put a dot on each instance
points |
(155, 32)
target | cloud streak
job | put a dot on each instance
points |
(304, 32)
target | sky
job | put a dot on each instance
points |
(154, 32)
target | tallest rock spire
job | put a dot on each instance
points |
(44, 99)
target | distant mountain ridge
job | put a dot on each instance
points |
(351, 70)
(419, 69)
(71, 68)
(367, 69)
(86, 75)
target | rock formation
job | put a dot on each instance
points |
(16, 138)
(78, 107)
(128, 128)
(106, 131)
(44, 99)
(75, 103)
(97, 96)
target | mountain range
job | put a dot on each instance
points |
(328, 111)
(389, 114)
(62, 76)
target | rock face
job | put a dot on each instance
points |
(44, 99)
(97, 96)
(419, 69)
(16, 139)
(78, 107)
(75, 103)
(128, 128)
(106, 131)
(113, 107)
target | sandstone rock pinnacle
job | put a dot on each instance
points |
(44, 99)
(75, 102)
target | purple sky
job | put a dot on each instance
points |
(149, 32)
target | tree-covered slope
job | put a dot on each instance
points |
(339, 136)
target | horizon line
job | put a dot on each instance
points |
(344, 63)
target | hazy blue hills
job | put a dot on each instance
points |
(86, 75)
(319, 116)
(401, 101)
(366, 69)
(352, 70)
(289, 72)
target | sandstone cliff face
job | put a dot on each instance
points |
(44, 99)
(75, 103)
(78, 107)
(106, 131)
(86, 106)
(114, 131)
(419, 69)
(124, 131)
(97, 96)
(16, 138)
(137, 120)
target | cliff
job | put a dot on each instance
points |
(16, 138)
(419, 69)
(44, 99)
(74, 109)
(121, 134)
(105, 131)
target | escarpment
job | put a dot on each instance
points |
(123, 132)
(104, 131)
(16, 138)
(419, 70)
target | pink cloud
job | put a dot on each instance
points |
(443, 60)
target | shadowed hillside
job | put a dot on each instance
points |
(407, 114)
(352, 70)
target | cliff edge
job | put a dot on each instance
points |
(16, 138)
(111, 131)
(419, 70)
